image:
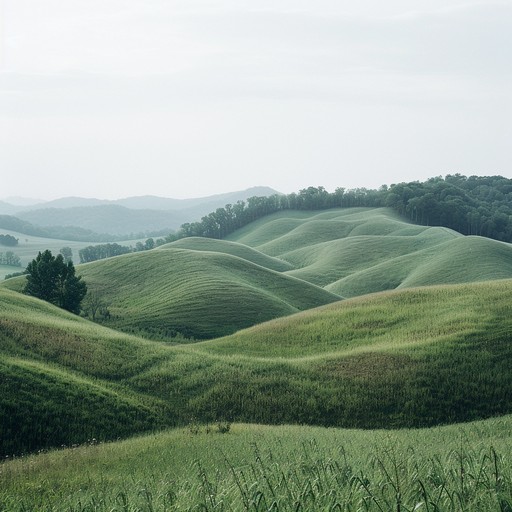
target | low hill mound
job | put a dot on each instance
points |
(233, 248)
(356, 251)
(197, 294)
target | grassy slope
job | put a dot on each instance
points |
(203, 288)
(375, 361)
(297, 468)
(358, 251)
(416, 357)
(59, 375)
(200, 294)
(233, 248)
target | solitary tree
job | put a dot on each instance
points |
(52, 279)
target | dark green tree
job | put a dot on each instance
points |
(51, 279)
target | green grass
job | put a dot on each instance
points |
(197, 294)
(198, 288)
(261, 468)
(407, 358)
(460, 260)
(233, 248)
(61, 378)
(410, 358)
(354, 252)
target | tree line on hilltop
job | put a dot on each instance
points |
(471, 205)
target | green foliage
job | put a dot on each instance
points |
(9, 258)
(98, 252)
(67, 254)
(15, 274)
(472, 206)
(51, 279)
(8, 240)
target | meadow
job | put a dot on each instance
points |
(338, 360)
(377, 361)
(265, 468)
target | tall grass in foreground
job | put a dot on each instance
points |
(258, 468)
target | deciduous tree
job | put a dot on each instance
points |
(51, 279)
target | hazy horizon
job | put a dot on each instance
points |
(195, 98)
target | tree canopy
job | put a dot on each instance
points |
(51, 279)
(8, 240)
(474, 205)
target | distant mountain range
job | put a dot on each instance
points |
(144, 215)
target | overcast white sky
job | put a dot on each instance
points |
(186, 98)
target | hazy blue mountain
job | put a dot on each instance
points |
(133, 215)
(149, 202)
(9, 209)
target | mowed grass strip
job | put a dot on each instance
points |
(288, 468)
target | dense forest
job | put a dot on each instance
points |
(471, 205)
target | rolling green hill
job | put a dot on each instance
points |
(284, 263)
(199, 294)
(55, 367)
(409, 358)
(233, 248)
(355, 251)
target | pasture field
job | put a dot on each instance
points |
(261, 468)
(198, 294)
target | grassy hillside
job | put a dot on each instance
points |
(416, 357)
(233, 248)
(59, 375)
(200, 294)
(356, 251)
(286, 468)
(410, 358)
(203, 288)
